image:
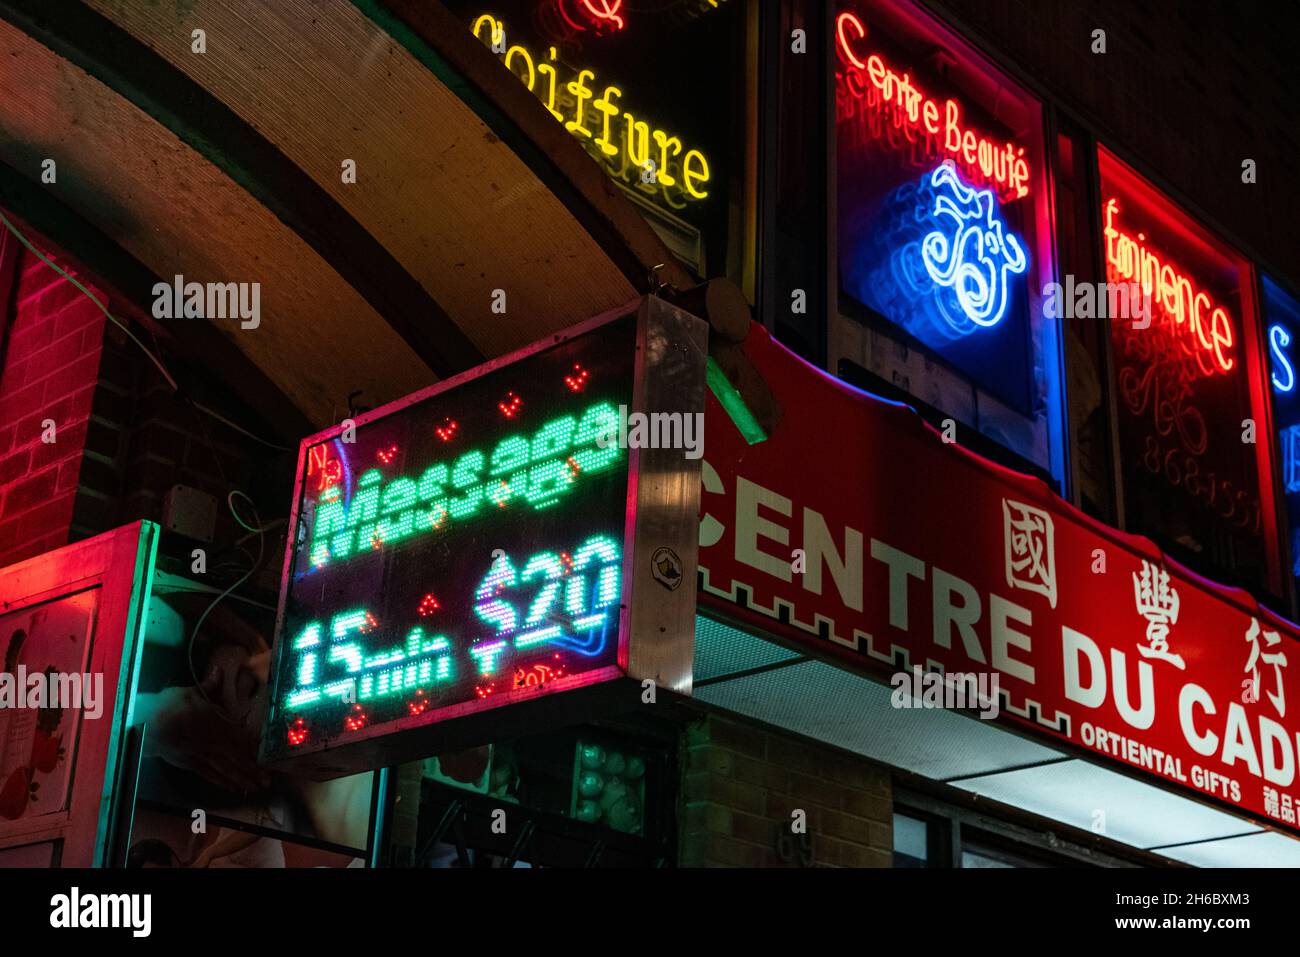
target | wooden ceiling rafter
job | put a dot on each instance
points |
(135, 72)
(203, 351)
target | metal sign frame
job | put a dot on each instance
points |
(656, 638)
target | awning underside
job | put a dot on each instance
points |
(759, 679)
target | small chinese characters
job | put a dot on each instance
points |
(1156, 601)
(1030, 553)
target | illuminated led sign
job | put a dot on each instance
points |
(470, 551)
(536, 471)
(593, 111)
(1203, 329)
(1002, 163)
(1190, 378)
(942, 222)
(1283, 371)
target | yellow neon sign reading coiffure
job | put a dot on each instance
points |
(614, 134)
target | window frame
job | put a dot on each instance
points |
(1045, 842)
(1277, 589)
(9, 247)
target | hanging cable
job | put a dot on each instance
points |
(258, 529)
(132, 336)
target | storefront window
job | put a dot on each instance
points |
(944, 230)
(792, 248)
(579, 797)
(1282, 322)
(1086, 341)
(666, 129)
(1188, 378)
(974, 854)
(912, 841)
(979, 859)
(929, 832)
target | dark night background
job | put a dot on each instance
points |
(1191, 88)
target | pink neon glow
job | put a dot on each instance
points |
(583, 15)
(605, 10)
(1205, 331)
(846, 48)
(980, 156)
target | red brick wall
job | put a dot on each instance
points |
(157, 440)
(51, 365)
(162, 440)
(742, 781)
(123, 437)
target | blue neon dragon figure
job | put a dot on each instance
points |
(971, 257)
(948, 257)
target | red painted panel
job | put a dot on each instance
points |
(920, 553)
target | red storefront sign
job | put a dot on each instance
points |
(917, 552)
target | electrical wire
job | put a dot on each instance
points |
(257, 529)
(132, 336)
(91, 296)
(231, 425)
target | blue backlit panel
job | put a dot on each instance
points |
(1282, 320)
(942, 206)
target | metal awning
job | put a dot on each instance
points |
(739, 672)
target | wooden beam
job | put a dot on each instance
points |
(200, 358)
(463, 211)
(444, 43)
(178, 214)
(117, 59)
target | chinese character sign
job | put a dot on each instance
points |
(1157, 602)
(1030, 559)
(1096, 640)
